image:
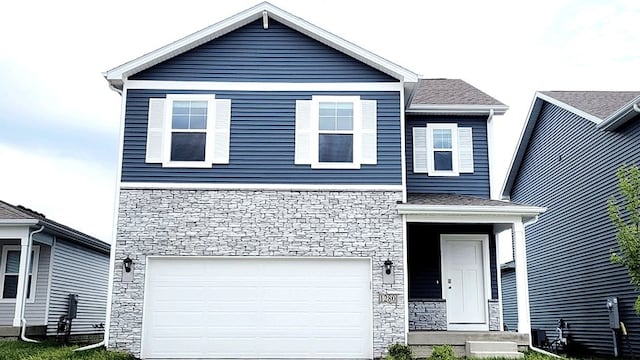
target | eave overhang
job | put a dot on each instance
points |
(118, 75)
(456, 109)
(470, 213)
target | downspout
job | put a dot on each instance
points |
(103, 342)
(23, 331)
(533, 348)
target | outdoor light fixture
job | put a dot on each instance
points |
(387, 266)
(127, 264)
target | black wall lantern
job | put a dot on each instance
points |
(388, 265)
(127, 263)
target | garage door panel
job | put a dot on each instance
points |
(249, 308)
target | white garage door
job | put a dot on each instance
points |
(257, 308)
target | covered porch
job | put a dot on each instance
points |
(453, 277)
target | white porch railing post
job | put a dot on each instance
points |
(22, 280)
(522, 282)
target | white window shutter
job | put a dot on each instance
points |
(465, 150)
(369, 154)
(420, 153)
(221, 131)
(155, 131)
(303, 132)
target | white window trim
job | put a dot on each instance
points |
(168, 130)
(431, 151)
(315, 132)
(34, 271)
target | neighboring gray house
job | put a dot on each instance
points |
(571, 146)
(64, 261)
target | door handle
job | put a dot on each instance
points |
(449, 282)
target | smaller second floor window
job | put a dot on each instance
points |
(442, 149)
(335, 135)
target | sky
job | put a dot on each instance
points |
(59, 121)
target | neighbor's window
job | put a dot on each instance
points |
(335, 142)
(11, 268)
(188, 130)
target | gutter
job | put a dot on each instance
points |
(23, 321)
(459, 109)
(621, 116)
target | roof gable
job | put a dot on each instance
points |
(607, 109)
(253, 54)
(117, 75)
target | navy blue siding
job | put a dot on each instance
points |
(509, 299)
(262, 143)
(425, 271)
(569, 167)
(476, 184)
(250, 53)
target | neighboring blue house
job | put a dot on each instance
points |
(287, 194)
(571, 147)
(35, 294)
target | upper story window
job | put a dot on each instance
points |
(10, 270)
(188, 130)
(442, 149)
(336, 132)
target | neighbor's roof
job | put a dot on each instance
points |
(117, 75)
(607, 109)
(446, 96)
(20, 215)
(601, 104)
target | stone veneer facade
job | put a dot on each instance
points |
(253, 223)
(428, 314)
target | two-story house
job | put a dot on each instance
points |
(285, 193)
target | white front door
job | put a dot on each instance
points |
(465, 275)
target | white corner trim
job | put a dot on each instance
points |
(403, 162)
(261, 86)
(459, 109)
(280, 187)
(123, 71)
(49, 279)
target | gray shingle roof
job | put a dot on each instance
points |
(450, 92)
(13, 212)
(454, 199)
(600, 104)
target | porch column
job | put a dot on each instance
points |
(522, 282)
(23, 276)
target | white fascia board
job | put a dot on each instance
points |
(457, 109)
(261, 86)
(621, 116)
(13, 222)
(118, 74)
(569, 108)
(523, 140)
(490, 213)
(258, 187)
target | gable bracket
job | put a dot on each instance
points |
(265, 20)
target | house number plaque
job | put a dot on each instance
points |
(388, 298)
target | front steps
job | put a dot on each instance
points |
(422, 342)
(492, 349)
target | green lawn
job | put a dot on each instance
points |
(12, 350)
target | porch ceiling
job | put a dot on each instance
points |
(456, 208)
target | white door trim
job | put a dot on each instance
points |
(484, 238)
